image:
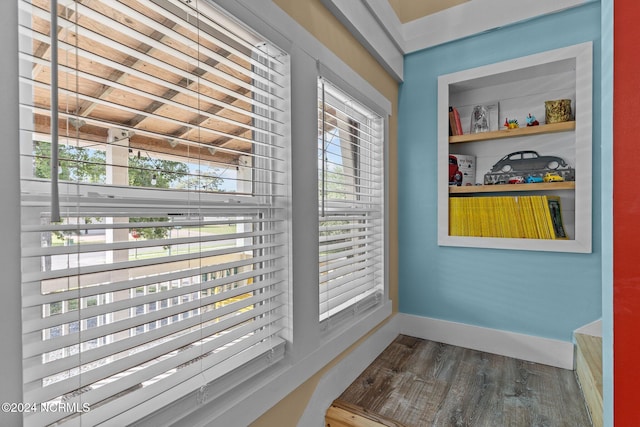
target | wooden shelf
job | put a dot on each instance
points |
(512, 133)
(510, 188)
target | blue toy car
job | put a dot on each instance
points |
(531, 179)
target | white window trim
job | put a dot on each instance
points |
(11, 349)
(349, 310)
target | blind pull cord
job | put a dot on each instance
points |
(55, 199)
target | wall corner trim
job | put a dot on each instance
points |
(380, 37)
(546, 351)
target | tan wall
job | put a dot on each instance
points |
(313, 16)
(409, 10)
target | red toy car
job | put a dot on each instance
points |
(455, 176)
(516, 180)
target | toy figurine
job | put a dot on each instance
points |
(531, 120)
(511, 124)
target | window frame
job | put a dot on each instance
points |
(333, 317)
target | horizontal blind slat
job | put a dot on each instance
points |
(100, 247)
(124, 265)
(92, 35)
(347, 265)
(139, 74)
(114, 348)
(112, 307)
(126, 363)
(136, 91)
(263, 353)
(251, 48)
(345, 286)
(132, 13)
(35, 298)
(117, 225)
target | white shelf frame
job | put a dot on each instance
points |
(581, 243)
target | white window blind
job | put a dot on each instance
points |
(157, 129)
(350, 199)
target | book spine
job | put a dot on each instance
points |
(452, 123)
(456, 114)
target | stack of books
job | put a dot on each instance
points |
(521, 217)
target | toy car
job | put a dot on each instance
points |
(533, 179)
(527, 161)
(516, 180)
(552, 177)
(455, 176)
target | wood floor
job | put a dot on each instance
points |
(419, 383)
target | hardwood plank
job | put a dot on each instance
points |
(421, 383)
(589, 372)
(591, 348)
(343, 414)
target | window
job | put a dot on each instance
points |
(350, 199)
(154, 187)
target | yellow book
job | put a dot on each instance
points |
(453, 215)
(507, 213)
(484, 217)
(473, 217)
(459, 217)
(489, 218)
(547, 221)
(466, 217)
(518, 222)
(531, 231)
(543, 218)
(476, 207)
(540, 217)
(501, 218)
(509, 217)
(496, 217)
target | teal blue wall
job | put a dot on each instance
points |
(546, 294)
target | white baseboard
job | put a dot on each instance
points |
(338, 378)
(526, 347)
